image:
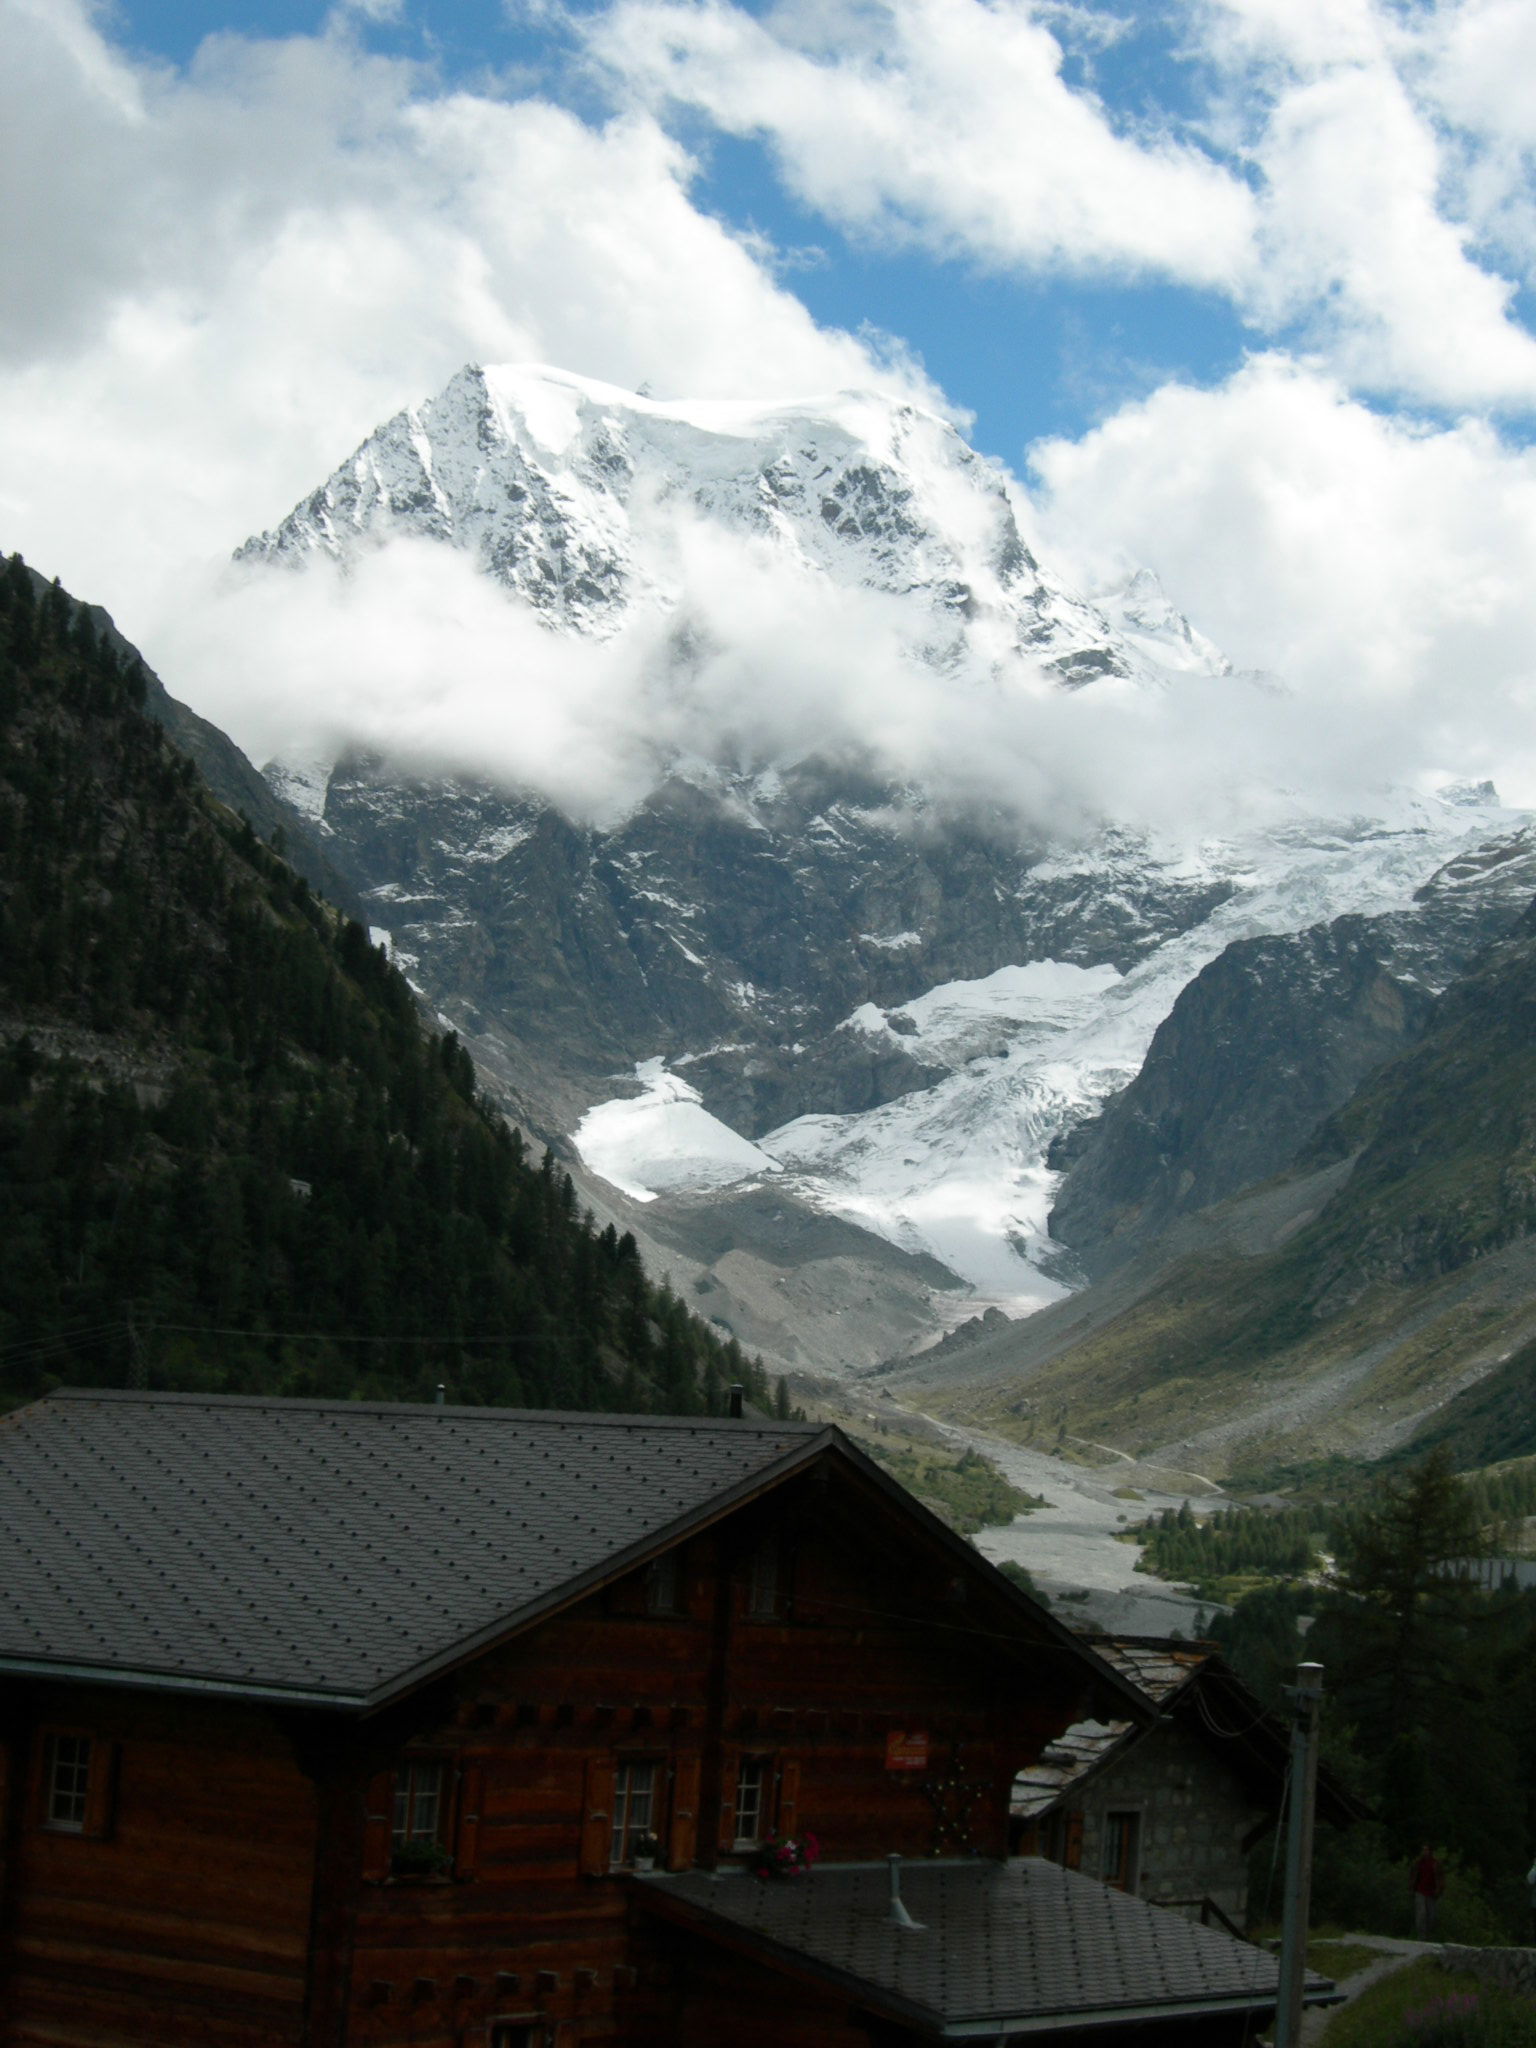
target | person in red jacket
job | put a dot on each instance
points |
(1426, 1881)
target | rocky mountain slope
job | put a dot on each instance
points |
(815, 1029)
(230, 1156)
(1379, 1293)
(1269, 1039)
(572, 495)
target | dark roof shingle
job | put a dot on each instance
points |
(330, 1549)
(1000, 1947)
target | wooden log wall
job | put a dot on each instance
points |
(241, 1894)
(185, 1917)
(868, 1640)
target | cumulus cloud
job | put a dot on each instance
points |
(230, 274)
(1353, 180)
(227, 277)
(945, 122)
(1381, 567)
(760, 661)
(1388, 183)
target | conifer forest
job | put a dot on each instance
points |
(232, 1159)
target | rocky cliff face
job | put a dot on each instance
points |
(735, 924)
(1376, 1295)
(1267, 1041)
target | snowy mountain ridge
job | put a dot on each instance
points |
(569, 492)
(960, 1169)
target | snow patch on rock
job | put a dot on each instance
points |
(663, 1141)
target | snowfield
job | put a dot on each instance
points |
(664, 1141)
(714, 599)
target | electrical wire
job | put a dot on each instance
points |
(341, 1337)
(23, 1347)
(1203, 1708)
(22, 1350)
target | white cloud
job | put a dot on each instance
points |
(1359, 253)
(229, 276)
(1372, 176)
(944, 122)
(1380, 222)
(1383, 570)
(223, 280)
(414, 653)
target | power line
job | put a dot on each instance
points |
(24, 1351)
(342, 1337)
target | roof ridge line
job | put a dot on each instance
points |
(476, 1411)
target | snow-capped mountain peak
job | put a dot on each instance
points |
(570, 493)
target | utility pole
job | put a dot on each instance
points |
(1307, 1697)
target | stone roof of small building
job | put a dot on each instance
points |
(1158, 1668)
(1001, 1948)
(335, 1551)
(1193, 1680)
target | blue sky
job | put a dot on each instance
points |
(1241, 290)
(1026, 356)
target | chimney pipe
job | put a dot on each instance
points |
(738, 1394)
(442, 1393)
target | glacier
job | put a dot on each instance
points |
(959, 1170)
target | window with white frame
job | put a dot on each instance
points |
(418, 1813)
(634, 1809)
(67, 1782)
(753, 1783)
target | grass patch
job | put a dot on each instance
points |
(1423, 2006)
(1341, 1959)
(968, 1492)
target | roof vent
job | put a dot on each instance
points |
(898, 1915)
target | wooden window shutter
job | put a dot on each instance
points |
(597, 1818)
(466, 1847)
(378, 1825)
(789, 1795)
(101, 1791)
(1072, 1848)
(730, 1770)
(683, 1836)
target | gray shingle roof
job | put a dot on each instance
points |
(1014, 1947)
(331, 1550)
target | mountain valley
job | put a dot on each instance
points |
(857, 1053)
(1056, 1124)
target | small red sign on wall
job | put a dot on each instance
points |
(906, 1749)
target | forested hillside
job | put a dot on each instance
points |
(231, 1157)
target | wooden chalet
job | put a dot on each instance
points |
(325, 1723)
